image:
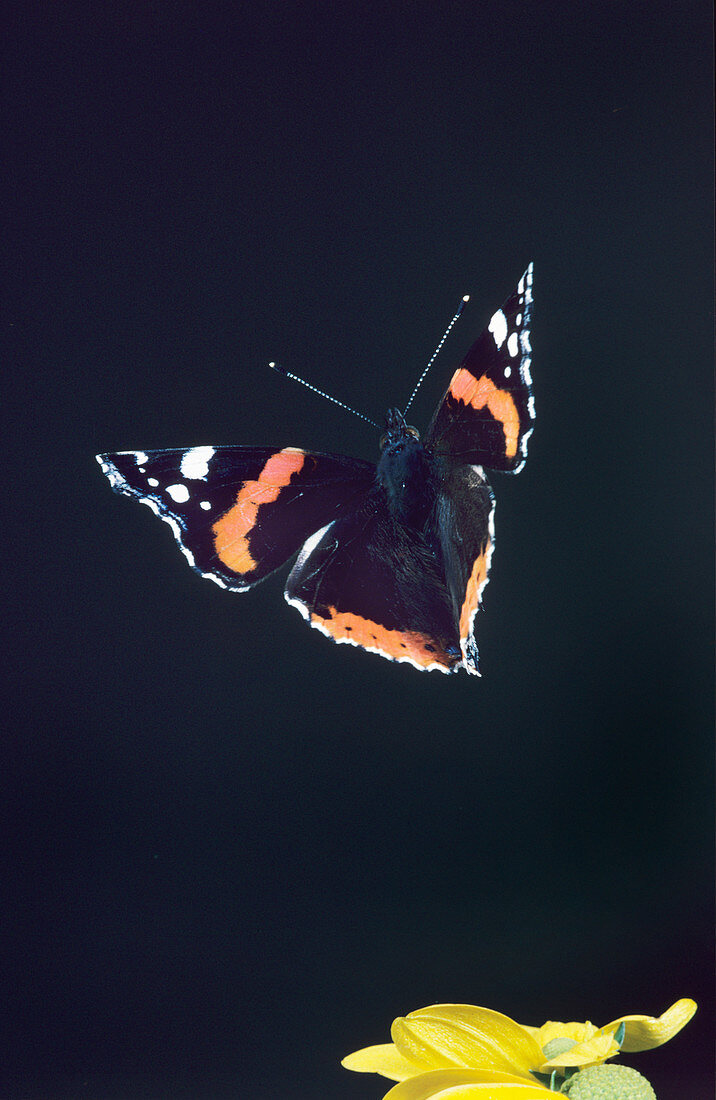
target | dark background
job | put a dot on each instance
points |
(233, 851)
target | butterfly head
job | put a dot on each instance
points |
(397, 433)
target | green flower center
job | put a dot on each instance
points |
(608, 1083)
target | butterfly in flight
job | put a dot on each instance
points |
(392, 558)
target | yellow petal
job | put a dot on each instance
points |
(555, 1030)
(466, 1084)
(384, 1059)
(645, 1032)
(590, 1053)
(441, 1036)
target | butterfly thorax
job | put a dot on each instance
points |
(405, 472)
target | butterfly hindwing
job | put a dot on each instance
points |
(368, 580)
(239, 513)
(487, 414)
(465, 524)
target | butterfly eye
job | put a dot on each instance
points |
(383, 440)
(412, 431)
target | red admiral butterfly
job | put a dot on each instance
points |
(391, 558)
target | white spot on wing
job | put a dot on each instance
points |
(141, 457)
(300, 607)
(205, 504)
(119, 484)
(528, 294)
(309, 546)
(195, 463)
(178, 493)
(111, 473)
(153, 482)
(498, 327)
(512, 344)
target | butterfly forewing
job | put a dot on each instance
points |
(239, 513)
(487, 414)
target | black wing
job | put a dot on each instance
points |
(466, 532)
(368, 580)
(239, 513)
(487, 414)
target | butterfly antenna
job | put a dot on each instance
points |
(341, 404)
(433, 357)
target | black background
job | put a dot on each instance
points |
(234, 851)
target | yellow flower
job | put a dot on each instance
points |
(463, 1051)
(582, 1045)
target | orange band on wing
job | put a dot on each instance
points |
(232, 529)
(397, 644)
(482, 392)
(475, 585)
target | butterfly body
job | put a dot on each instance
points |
(406, 472)
(391, 557)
